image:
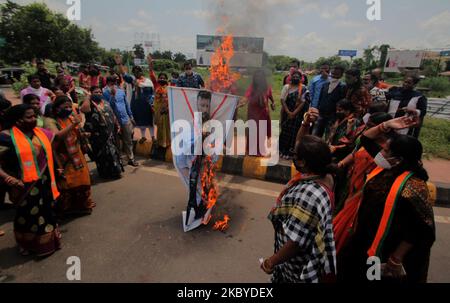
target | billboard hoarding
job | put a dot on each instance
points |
(248, 51)
(402, 59)
(238, 60)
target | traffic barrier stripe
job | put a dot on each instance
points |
(252, 168)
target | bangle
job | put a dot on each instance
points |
(265, 267)
(394, 261)
(384, 128)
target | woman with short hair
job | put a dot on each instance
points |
(302, 217)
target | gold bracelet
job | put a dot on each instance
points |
(393, 262)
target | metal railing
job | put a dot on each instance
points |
(439, 108)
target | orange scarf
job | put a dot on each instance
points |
(26, 154)
(344, 222)
(388, 213)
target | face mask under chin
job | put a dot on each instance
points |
(384, 162)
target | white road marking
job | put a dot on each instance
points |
(251, 189)
(442, 219)
(223, 184)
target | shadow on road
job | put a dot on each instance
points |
(10, 257)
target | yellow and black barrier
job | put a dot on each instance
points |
(252, 167)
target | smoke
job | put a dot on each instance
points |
(242, 18)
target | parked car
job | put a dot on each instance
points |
(9, 75)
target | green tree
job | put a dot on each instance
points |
(431, 68)
(331, 61)
(369, 57)
(157, 55)
(179, 57)
(167, 55)
(33, 31)
(281, 63)
(139, 51)
(358, 63)
(384, 48)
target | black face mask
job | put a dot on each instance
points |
(29, 125)
(162, 82)
(295, 81)
(96, 99)
(340, 116)
(64, 113)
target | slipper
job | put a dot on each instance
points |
(24, 252)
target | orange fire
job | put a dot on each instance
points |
(222, 78)
(222, 225)
(209, 186)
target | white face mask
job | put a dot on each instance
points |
(381, 161)
(366, 118)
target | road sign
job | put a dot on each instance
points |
(347, 53)
(138, 61)
(445, 53)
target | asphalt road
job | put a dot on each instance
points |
(135, 235)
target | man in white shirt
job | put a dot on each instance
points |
(35, 88)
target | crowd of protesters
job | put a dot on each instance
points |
(360, 190)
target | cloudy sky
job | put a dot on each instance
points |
(306, 29)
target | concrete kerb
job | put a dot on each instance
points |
(251, 167)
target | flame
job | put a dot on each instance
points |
(209, 186)
(222, 78)
(222, 225)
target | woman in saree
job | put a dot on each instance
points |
(358, 164)
(342, 134)
(304, 249)
(102, 124)
(161, 109)
(28, 169)
(295, 100)
(258, 95)
(74, 181)
(395, 220)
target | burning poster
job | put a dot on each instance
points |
(199, 131)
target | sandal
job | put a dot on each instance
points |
(23, 252)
